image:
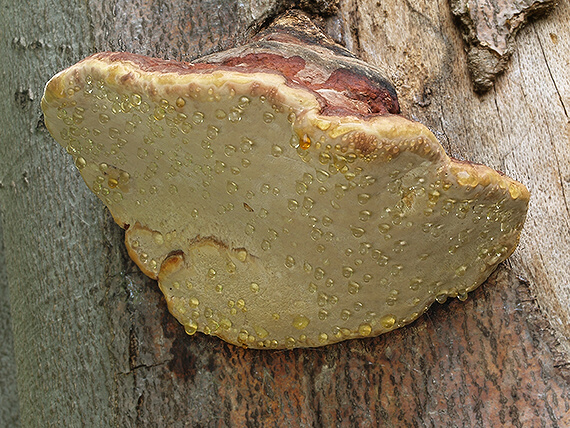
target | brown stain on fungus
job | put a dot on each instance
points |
(379, 98)
(289, 67)
(363, 143)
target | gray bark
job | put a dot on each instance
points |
(9, 406)
(54, 232)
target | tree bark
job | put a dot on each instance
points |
(94, 344)
(9, 407)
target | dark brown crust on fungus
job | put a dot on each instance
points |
(303, 47)
(364, 91)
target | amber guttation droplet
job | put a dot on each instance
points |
(305, 142)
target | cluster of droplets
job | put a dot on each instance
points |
(389, 222)
(372, 222)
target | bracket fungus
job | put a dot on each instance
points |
(276, 193)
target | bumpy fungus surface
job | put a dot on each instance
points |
(274, 192)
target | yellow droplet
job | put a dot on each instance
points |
(364, 215)
(261, 332)
(191, 328)
(515, 191)
(363, 198)
(357, 232)
(289, 261)
(225, 323)
(388, 321)
(242, 255)
(231, 187)
(322, 175)
(180, 102)
(415, 283)
(198, 117)
(80, 163)
(460, 271)
(159, 113)
(300, 322)
(364, 329)
(292, 205)
(290, 342)
(433, 196)
(462, 295)
(353, 287)
(231, 267)
(136, 99)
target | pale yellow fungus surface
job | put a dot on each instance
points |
(268, 224)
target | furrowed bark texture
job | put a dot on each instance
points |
(93, 342)
(56, 266)
(9, 407)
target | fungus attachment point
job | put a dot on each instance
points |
(276, 194)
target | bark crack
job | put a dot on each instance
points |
(550, 74)
(499, 112)
(355, 31)
(442, 124)
(143, 366)
(554, 151)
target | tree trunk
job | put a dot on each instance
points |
(94, 344)
(9, 408)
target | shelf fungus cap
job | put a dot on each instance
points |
(276, 194)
